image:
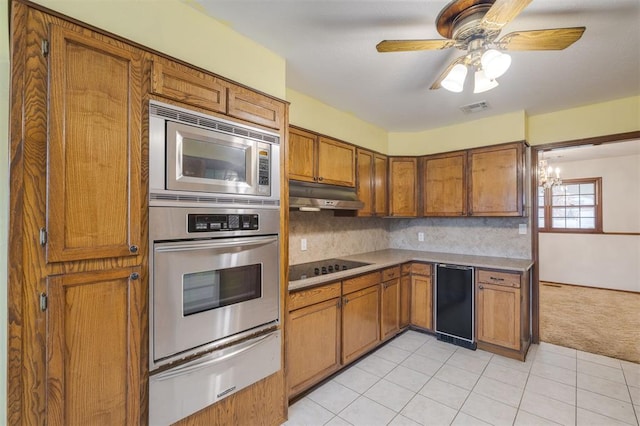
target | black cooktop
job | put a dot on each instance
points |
(321, 267)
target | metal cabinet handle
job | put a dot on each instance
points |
(134, 276)
(480, 287)
(497, 279)
(133, 249)
(320, 178)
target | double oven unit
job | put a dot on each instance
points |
(214, 292)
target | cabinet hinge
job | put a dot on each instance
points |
(43, 236)
(43, 301)
(45, 47)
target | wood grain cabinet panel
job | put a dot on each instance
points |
(248, 105)
(365, 182)
(403, 186)
(313, 335)
(444, 186)
(380, 177)
(390, 308)
(498, 313)
(302, 155)
(186, 85)
(94, 167)
(93, 348)
(405, 301)
(360, 322)
(421, 301)
(336, 162)
(496, 180)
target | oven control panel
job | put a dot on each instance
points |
(222, 222)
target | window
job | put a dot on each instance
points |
(574, 206)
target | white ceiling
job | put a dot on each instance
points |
(329, 48)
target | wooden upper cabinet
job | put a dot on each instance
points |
(94, 167)
(248, 105)
(372, 183)
(381, 206)
(302, 155)
(336, 162)
(93, 348)
(186, 85)
(496, 180)
(444, 186)
(403, 186)
(315, 158)
(365, 179)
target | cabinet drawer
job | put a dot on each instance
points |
(421, 268)
(188, 86)
(507, 279)
(390, 273)
(302, 298)
(406, 268)
(254, 107)
(358, 283)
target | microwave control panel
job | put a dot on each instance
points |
(222, 222)
(263, 170)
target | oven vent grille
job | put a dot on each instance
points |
(212, 200)
(221, 126)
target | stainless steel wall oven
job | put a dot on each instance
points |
(214, 293)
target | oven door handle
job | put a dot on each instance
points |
(212, 358)
(235, 242)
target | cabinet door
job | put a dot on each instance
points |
(302, 155)
(365, 181)
(390, 309)
(336, 163)
(405, 301)
(496, 180)
(498, 314)
(380, 185)
(444, 188)
(403, 193)
(313, 336)
(421, 302)
(93, 348)
(360, 322)
(248, 105)
(94, 191)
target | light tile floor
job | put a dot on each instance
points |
(417, 380)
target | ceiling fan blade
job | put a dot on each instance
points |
(554, 39)
(443, 74)
(410, 45)
(501, 13)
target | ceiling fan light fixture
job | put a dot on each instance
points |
(482, 83)
(454, 81)
(495, 63)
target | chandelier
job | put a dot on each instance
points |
(546, 178)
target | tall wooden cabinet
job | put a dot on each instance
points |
(79, 304)
(315, 158)
(403, 186)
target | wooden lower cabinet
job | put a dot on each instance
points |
(502, 312)
(421, 296)
(405, 300)
(93, 347)
(314, 352)
(360, 322)
(390, 303)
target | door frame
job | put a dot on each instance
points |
(535, 247)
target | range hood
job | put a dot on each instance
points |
(313, 197)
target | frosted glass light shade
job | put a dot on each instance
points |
(495, 63)
(454, 81)
(482, 83)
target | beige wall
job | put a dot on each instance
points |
(311, 114)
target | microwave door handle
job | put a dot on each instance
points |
(217, 244)
(207, 361)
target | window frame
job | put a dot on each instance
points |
(547, 207)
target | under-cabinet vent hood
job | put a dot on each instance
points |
(313, 197)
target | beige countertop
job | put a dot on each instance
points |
(392, 257)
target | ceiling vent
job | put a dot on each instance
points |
(474, 107)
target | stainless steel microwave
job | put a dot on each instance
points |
(192, 155)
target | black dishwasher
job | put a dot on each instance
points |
(455, 307)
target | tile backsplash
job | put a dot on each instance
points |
(328, 236)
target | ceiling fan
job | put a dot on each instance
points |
(474, 26)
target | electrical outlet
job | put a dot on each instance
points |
(522, 229)
(303, 244)
(420, 236)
